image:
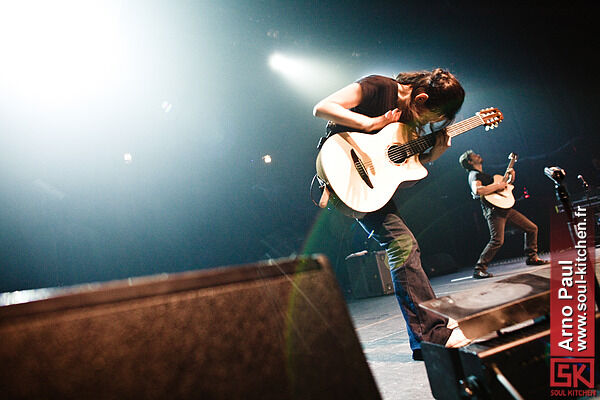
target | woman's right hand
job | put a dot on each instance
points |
(378, 123)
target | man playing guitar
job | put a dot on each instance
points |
(497, 210)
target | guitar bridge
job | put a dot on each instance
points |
(360, 168)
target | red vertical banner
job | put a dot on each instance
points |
(572, 303)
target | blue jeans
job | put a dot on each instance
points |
(411, 284)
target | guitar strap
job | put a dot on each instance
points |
(322, 140)
(323, 187)
(328, 134)
(322, 203)
(331, 129)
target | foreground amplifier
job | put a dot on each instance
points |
(278, 329)
(480, 370)
(509, 325)
(512, 365)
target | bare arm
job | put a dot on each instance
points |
(481, 190)
(336, 108)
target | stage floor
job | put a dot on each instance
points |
(382, 331)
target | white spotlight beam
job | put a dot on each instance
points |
(311, 76)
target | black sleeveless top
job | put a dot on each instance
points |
(379, 95)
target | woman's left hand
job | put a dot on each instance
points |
(442, 143)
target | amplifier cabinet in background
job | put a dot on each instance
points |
(369, 275)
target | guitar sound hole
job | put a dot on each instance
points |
(360, 168)
(397, 154)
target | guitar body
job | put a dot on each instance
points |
(362, 171)
(368, 186)
(504, 198)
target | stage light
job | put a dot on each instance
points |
(555, 174)
(281, 63)
(267, 159)
(309, 75)
(127, 158)
(54, 51)
(291, 67)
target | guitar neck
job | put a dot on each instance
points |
(507, 173)
(423, 143)
(464, 126)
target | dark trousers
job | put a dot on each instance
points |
(497, 219)
(411, 284)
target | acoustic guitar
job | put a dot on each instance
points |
(362, 171)
(504, 198)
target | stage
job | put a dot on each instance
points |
(271, 330)
(382, 331)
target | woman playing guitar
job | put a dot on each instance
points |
(368, 105)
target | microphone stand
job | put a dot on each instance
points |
(562, 195)
(588, 205)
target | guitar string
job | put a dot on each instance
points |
(511, 164)
(422, 143)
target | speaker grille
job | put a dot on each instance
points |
(277, 330)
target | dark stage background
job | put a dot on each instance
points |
(186, 89)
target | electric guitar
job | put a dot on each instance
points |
(503, 198)
(362, 171)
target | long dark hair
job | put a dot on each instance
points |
(446, 95)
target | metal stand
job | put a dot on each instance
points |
(562, 195)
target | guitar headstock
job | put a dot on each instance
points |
(490, 117)
(513, 157)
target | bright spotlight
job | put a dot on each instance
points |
(287, 65)
(304, 73)
(58, 50)
(277, 62)
(267, 159)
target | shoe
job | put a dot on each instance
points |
(417, 355)
(480, 274)
(457, 339)
(535, 260)
(452, 323)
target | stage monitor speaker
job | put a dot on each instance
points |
(278, 329)
(520, 357)
(508, 321)
(369, 275)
